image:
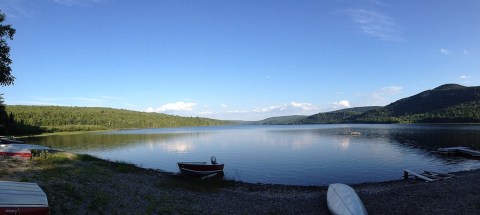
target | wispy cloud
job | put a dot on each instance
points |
(462, 77)
(376, 25)
(382, 96)
(16, 8)
(290, 107)
(223, 105)
(444, 51)
(79, 2)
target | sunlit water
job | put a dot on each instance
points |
(300, 154)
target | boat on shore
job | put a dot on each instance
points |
(200, 168)
(10, 140)
(22, 198)
(6, 151)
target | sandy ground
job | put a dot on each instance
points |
(85, 185)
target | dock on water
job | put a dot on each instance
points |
(427, 176)
(460, 150)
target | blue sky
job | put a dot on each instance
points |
(243, 60)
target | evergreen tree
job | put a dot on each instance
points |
(6, 32)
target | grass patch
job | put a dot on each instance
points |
(45, 157)
(99, 201)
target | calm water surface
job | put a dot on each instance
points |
(300, 154)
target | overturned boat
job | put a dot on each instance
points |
(201, 168)
(22, 198)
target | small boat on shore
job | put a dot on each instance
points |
(9, 151)
(200, 168)
(10, 140)
(22, 198)
(342, 199)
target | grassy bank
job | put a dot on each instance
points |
(82, 184)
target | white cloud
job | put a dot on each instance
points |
(444, 51)
(463, 77)
(205, 113)
(177, 106)
(303, 106)
(290, 107)
(223, 105)
(343, 104)
(150, 110)
(376, 25)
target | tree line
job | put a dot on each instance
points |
(26, 118)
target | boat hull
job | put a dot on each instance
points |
(199, 168)
(14, 152)
(22, 198)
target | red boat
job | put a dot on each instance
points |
(22, 198)
(200, 168)
(6, 151)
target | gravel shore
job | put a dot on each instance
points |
(79, 184)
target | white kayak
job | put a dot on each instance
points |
(342, 200)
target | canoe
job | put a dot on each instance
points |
(22, 198)
(7, 151)
(200, 168)
(343, 200)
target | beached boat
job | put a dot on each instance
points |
(342, 199)
(10, 140)
(8, 151)
(22, 198)
(200, 168)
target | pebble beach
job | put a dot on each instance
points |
(77, 184)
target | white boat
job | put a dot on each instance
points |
(22, 198)
(343, 200)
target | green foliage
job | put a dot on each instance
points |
(6, 32)
(60, 119)
(281, 120)
(339, 116)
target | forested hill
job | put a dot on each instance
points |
(449, 103)
(60, 118)
(339, 116)
(281, 120)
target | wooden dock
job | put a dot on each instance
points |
(427, 176)
(460, 150)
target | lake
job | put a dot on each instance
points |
(291, 154)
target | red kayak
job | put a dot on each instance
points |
(200, 168)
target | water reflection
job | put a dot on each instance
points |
(304, 155)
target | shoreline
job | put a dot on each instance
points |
(79, 184)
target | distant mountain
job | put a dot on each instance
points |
(449, 103)
(339, 116)
(281, 120)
